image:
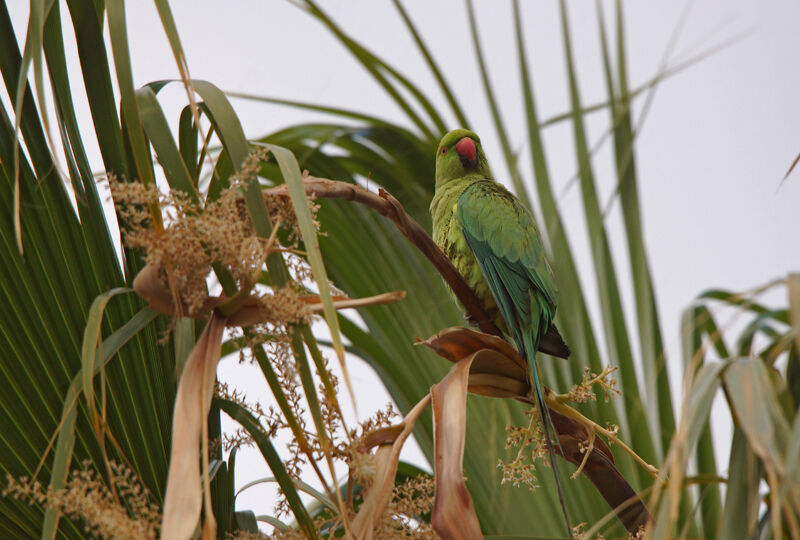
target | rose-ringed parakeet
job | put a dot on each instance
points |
(492, 240)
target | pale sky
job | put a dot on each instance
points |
(714, 146)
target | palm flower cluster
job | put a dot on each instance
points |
(520, 470)
(121, 509)
(187, 242)
(411, 499)
(530, 440)
(186, 239)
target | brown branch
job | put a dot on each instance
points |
(599, 465)
(386, 205)
(247, 312)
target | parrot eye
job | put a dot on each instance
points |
(444, 151)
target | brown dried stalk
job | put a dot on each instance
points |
(248, 311)
(386, 205)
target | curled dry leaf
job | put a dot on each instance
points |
(250, 311)
(150, 287)
(389, 442)
(184, 487)
(382, 436)
(453, 516)
(497, 370)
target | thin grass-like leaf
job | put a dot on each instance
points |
(248, 422)
(698, 322)
(742, 499)
(294, 180)
(437, 73)
(615, 327)
(32, 54)
(502, 134)
(790, 491)
(793, 288)
(698, 396)
(329, 109)
(122, 61)
(87, 198)
(652, 348)
(91, 347)
(302, 486)
(158, 133)
(758, 413)
(273, 521)
(187, 141)
(376, 67)
(66, 430)
(747, 300)
(95, 67)
(171, 31)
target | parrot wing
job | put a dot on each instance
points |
(503, 236)
(501, 233)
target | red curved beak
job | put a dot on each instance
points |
(468, 152)
(466, 149)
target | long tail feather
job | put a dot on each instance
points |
(544, 413)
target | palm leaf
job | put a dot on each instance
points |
(337, 151)
(69, 260)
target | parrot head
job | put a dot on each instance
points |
(459, 155)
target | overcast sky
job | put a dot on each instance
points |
(715, 144)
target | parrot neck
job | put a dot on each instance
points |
(447, 193)
(444, 200)
(458, 184)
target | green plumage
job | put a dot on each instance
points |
(492, 240)
(468, 203)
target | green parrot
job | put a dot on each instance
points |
(492, 240)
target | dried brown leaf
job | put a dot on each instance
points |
(184, 488)
(453, 514)
(387, 457)
(456, 343)
(343, 302)
(495, 369)
(382, 436)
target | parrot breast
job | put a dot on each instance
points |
(448, 235)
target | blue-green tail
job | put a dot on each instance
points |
(530, 345)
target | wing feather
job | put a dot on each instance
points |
(502, 235)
